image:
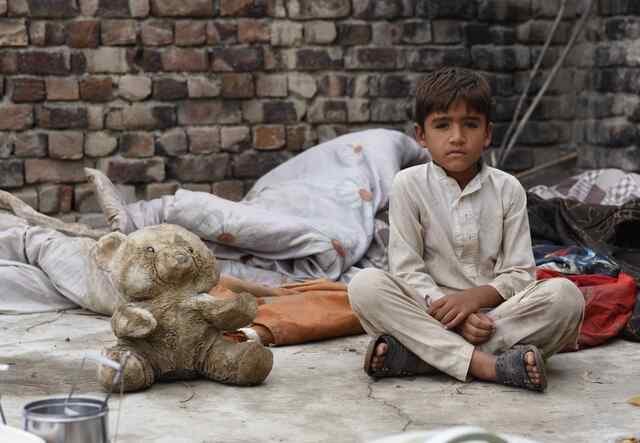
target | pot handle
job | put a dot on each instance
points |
(118, 367)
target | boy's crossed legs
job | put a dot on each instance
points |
(547, 315)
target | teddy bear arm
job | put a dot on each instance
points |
(229, 312)
(132, 320)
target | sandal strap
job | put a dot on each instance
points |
(511, 369)
(398, 360)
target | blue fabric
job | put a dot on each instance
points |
(574, 260)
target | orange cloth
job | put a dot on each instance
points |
(303, 312)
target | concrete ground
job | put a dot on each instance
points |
(319, 393)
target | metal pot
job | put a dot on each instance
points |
(67, 420)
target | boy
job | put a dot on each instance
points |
(461, 295)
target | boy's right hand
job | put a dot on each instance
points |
(477, 328)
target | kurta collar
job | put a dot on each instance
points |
(475, 183)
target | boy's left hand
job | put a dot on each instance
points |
(451, 310)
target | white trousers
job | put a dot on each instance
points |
(548, 314)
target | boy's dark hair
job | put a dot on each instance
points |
(438, 90)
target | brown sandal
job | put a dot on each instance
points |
(398, 361)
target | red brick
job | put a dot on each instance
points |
(253, 31)
(31, 144)
(28, 90)
(206, 112)
(157, 33)
(238, 86)
(140, 116)
(170, 89)
(55, 171)
(95, 89)
(131, 170)
(235, 138)
(43, 63)
(243, 8)
(199, 168)
(83, 34)
(49, 198)
(268, 138)
(157, 190)
(113, 8)
(66, 145)
(300, 137)
(137, 144)
(237, 59)
(173, 143)
(190, 33)
(48, 33)
(51, 117)
(53, 8)
(185, 60)
(11, 173)
(16, 117)
(8, 62)
(62, 88)
(182, 8)
(222, 33)
(204, 140)
(13, 33)
(118, 32)
(230, 189)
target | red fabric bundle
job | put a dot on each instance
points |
(609, 304)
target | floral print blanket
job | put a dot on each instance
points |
(312, 217)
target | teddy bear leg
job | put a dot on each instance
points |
(245, 364)
(137, 373)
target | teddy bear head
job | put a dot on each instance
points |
(157, 260)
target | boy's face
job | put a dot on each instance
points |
(456, 139)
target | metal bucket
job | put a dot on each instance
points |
(64, 420)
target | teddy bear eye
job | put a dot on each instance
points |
(190, 249)
(150, 249)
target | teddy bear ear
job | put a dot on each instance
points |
(107, 246)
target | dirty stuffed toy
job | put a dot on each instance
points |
(166, 321)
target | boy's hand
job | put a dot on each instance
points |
(453, 309)
(477, 328)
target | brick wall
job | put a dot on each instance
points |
(608, 108)
(211, 94)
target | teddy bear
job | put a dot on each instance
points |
(168, 326)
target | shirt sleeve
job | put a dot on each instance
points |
(515, 267)
(406, 241)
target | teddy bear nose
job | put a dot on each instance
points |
(182, 259)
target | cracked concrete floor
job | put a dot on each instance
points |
(318, 393)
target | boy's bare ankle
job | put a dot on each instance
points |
(483, 366)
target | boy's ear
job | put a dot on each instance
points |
(488, 135)
(106, 248)
(420, 135)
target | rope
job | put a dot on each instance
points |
(545, 86)
(532, 75)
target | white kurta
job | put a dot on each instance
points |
(443, 238)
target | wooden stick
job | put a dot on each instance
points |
(546, 165)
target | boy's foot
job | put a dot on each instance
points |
(111, 202)
(523, 367)
(532, 368)
(387, 357)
